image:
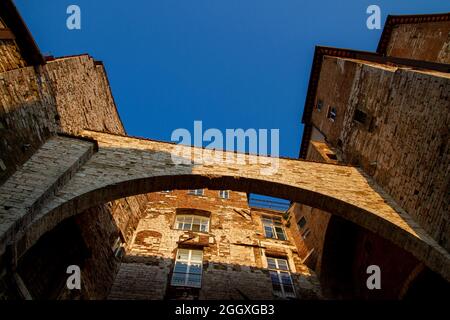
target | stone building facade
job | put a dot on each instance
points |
(234, 246)
(385, 112)
(40, 97)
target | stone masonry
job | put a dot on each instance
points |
(234, 250)
(125, 166)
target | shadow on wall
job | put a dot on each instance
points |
(24, 127)
(110, 176)
(149, 278)
(85, 240)
(47, 225)
(349, 250)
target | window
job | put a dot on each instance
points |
(192, 222)
(332, 156)
(306, 233)
(224, 194)
(301, 223)
(273, 228)
(281, 277)
(331, 113)
(187, 271)
(118, 248)
(196, 192)
(319, 105)
(360, 116)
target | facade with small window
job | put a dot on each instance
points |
(212, 247)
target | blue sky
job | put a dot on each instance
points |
(230, 63)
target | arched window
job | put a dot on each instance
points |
(192, 222)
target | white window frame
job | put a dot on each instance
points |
(319, 105)
(189, 262)
(331, 115)
(273, 225)
(118, 248)
(197, 192)
(224, 194)
(183, 220)
(279, 271)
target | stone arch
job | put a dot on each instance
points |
(125, 166)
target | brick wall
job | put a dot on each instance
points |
(421, 41)
(310, 224)
(234, 265)
(66, 95)
(403, 143)
(83, 97)
(10, 56)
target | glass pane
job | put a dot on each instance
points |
(194, 280)
(197, 256)
(187, 226)
(180, 267)
(204, 227)
(195, 227)
(280, 233)
(271, 263)
(289, 291)
(282, 264)
(178, 279)
(195, 268)
(286, 278)
(276, 288)
(183, 254)
(281, 236)
(274, 277)
(301, 223)
(269, 232)
(196, 220)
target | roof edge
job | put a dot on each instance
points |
(24, 39)
(393, 20)
(316, 67)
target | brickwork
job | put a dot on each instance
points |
(234, 251)
(65, 95)
(309, 223)
(406, 123)
(10, 56)
(83, 97)
(421, 41)
(139, 166)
